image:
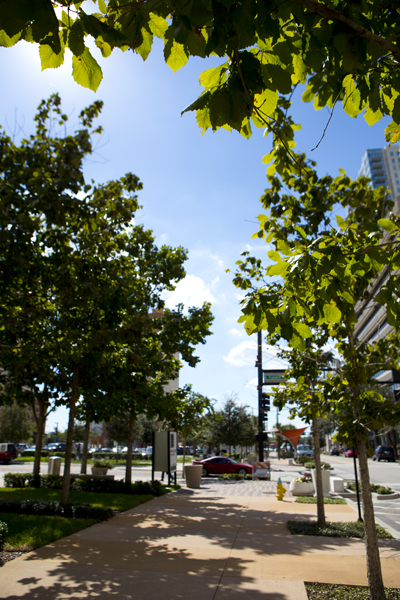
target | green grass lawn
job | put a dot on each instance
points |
(312, 500)
(26, 532)
(114, 501)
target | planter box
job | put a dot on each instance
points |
(393, 496)
(193, 475)
(99, 470)
(301, 488)
(326, 477)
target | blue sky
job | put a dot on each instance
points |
(200, 192)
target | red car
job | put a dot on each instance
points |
(349, 453)
(222, 464)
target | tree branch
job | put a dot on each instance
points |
(325, 11)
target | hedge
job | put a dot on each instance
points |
(26, 480)
(55, 509)
(3, 531)
(44, 454)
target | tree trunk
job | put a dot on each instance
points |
(70, 436)
(318, 476)
(374, 572)
(39, 419)
(184, 455)
(128, 469)
(85, 444)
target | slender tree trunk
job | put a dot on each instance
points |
(128, 470)
(374, 571)
(318, 475)
(184, 456)
(39, 419)
(85, 444)
(70, 436)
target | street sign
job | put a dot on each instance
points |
(273, 377)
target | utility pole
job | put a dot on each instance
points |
(260, 400)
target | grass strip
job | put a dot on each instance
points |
(26, 532)
(330, 591)
(353, 529)
(99, 499)
(312, 500)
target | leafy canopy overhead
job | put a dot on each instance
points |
(340, 51)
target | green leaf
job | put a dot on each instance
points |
(213, 77)
(86, 70)
(387, 225)
(274, 255)
(332, 313)
(158, 25)
(277, 269)
(49, 59)
(372, 116)
(302, 329)
(341, 222)
(175, 55)
(145, 47)
(102, 6)
(6, 40)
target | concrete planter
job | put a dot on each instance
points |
(99, 470)
(193, 475)
(326, 476)
(301, 488)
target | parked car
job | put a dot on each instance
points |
(7, 453)
(222, 464)
(103, 450)
(56, 447)
(334, 451)
(120, 449)
(384, 453)
(349, 453)
(305, 450)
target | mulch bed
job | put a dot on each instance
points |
(6, 556)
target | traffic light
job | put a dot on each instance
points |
(264, 436)
(265, 403)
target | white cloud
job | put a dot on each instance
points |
(253, 383)
(191, 291)
(245, 354)
(238, 332)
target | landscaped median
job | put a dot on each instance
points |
(33, 517)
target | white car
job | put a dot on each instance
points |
(305, 450)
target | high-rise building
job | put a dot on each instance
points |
(382, 166)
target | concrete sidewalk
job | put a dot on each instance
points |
(223, 541)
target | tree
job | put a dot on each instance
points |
(323, 280)
(338, 52)
(306, 397)
(75, 307)
(230, 425)
(188, 415)
(15, 424)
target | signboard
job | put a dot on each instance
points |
(273, 377)
(164, 453)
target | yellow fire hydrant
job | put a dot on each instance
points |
(280, 490)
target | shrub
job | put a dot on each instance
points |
(354, 529)
(312, 500)
(102, 463)
(55, 509)
(233, 476)
(324, 466)
(302, 460)
(18, 480)
(3, 531)
(374, 487)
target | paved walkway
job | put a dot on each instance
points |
(225, 541)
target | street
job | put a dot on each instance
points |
(387, 512)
